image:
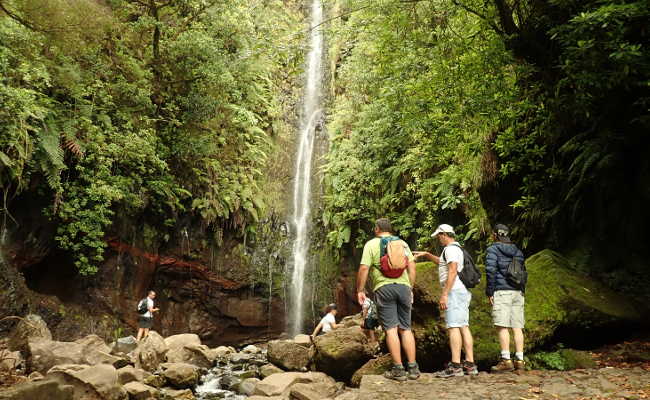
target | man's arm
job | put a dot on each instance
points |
(491, 266)
(362, 277)
(428, 256)
(412, 272)
(317, 329)
(451, 278)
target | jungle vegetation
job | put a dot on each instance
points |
(531, 113)
(141, 111)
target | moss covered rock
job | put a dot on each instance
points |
(340, 352)
(561, 305)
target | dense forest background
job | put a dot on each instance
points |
(138, 118)
(133, 117)
(531, 113)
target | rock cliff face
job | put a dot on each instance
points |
(222, 303)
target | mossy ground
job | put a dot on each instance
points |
(557, 297)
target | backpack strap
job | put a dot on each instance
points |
(443, 250)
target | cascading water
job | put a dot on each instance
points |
(302, 177)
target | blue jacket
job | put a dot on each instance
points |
(499, 256)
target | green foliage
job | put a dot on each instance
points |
(548, 360)
(149, 111)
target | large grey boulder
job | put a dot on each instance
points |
(184, 339)
(151, 352)
(341, 352)
(247, 386)
(376, 366)
(30, 327)
(124, 345)
(314, 391)
(140, 391)
(130, 374)
(280, 384)
(199, 355)
(180, 375)
(173, 394)
(288, 354)
(90, 382)
(37, 390)
(90, 350)
(11, 360)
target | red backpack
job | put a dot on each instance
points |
(392, 257)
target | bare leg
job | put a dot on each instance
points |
(146, 332)
(519, 339)
(392, 341)
(140, 333)
(504, 338)
(408, 343)
(455, 344)
(468, 343)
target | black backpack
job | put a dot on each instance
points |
(143, 306)
(516, 274)
(469, 275)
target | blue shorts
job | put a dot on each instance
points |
(457, 313)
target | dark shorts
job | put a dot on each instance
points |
(145, 322)
(394, 306)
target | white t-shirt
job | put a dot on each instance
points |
(327, 322)
(149, 306)
(452, 253)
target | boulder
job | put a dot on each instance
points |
(124, 345)
(172, 394)
(11, 360)
(241, 358)
(90, 382)
(229, 382)
(341, 352)
(376, 366)
(180, 375)
(35, 376)
(269, 369)
(251, 349)
(30, 327)
(303, 340)
(314, 391)
(90, 350)
(351, 394)
(199, 355)
(41, 389)
(130, 374)
(155, 380)
(278, 384)
(288, 354)
(561, 304)
(247, 386)
(223, 352)
(140, 391)
(151, 352)
(184, 339)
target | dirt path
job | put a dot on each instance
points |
(604, 383)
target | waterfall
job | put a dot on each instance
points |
(302, 176)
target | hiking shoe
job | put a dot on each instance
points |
(469, 368)
(397, 373)
(504, 366)
(520, 365)
(414, 371)
(451, 370)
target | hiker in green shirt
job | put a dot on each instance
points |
(394, 296)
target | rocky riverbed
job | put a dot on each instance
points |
(340, 365)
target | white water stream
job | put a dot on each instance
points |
(302, 177)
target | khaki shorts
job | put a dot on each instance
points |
(508, 309)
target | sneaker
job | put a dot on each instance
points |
(520, 365)
(450, 370)
(503, 366)
(469, 368)
(397, 373)
(413, 371)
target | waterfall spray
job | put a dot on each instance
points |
(302, 176)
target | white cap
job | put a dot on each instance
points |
(444, 228)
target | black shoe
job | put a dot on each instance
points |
(450, 370)
(413, 371)
(469, 368)
(396, 373)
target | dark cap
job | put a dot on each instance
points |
(332, 306)
(502, 232)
